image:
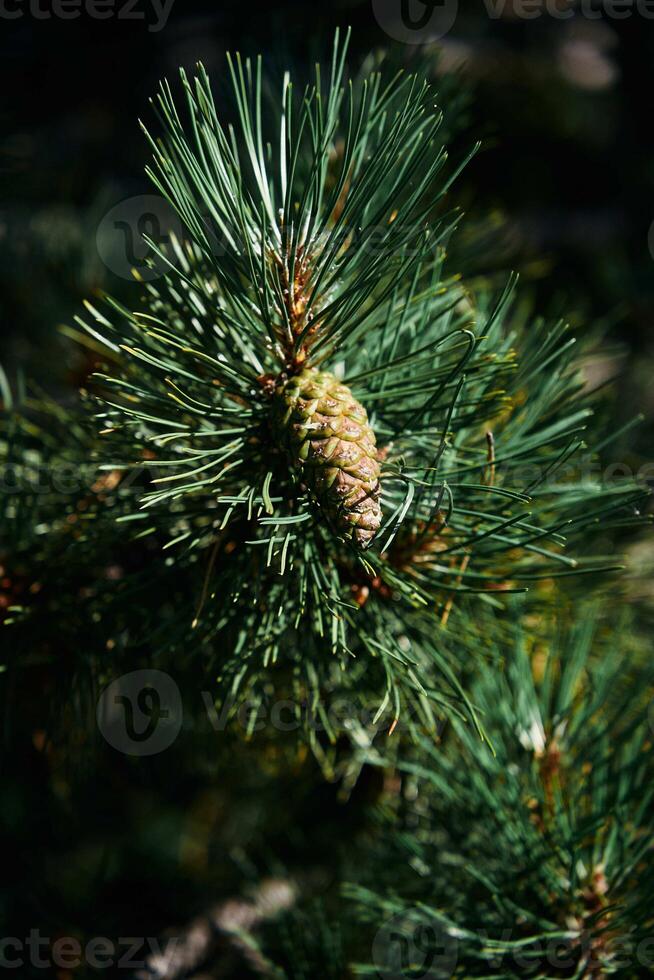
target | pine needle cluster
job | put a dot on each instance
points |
(333, 452)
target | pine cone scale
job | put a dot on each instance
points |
(332, 448)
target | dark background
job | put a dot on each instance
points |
(564, 112)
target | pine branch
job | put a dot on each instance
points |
(539, 848)
(295, 553)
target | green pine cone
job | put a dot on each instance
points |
(332, 448)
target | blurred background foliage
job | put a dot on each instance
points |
(108, 845)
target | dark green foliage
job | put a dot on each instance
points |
(532, 860)
(169, 518)
(536, 857)
(327, 248)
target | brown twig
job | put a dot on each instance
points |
(490, 441)
(449, 605)
(220, 932)
(207, 580)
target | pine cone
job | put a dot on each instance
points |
(332, 448)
